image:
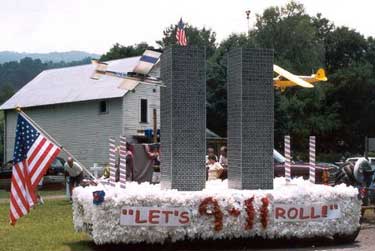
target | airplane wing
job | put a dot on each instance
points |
(147, 61)
(290, 78)
(128, 84)
(100, 69)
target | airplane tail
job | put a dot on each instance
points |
(320, 75)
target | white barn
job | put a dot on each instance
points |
(82, 113)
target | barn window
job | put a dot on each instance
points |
(103, 106)
(143, 110)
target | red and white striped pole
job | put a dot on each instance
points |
(112, 161)
(122, 153)
(312, 159)
(287, 158)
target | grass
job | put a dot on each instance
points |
(48, 227)
(5, 194)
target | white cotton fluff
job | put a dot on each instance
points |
(102, 222)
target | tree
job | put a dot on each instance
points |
(195, 36)
(350, 62)
(353, 91)
(324, 27)
(299, 43)
(6, 91)
(216, 81)
(14, 75)
(340, 112)
(216, 92)
(343, 48)
(308, 112)
(1, 137)
(293, 36)
(119, 51)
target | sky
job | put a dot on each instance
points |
(95, 25)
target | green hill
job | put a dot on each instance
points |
(7, 56)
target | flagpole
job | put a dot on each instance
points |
(19, 110)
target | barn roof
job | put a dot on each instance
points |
(70, 84)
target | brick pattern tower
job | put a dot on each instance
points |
(183, 118)
(250, 118)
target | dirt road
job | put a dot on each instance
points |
(364, 242)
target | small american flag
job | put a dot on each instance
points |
(33, 154)
(180, 34)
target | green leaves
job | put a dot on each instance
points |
(14, 75)
(119, 51)
(1, 137)
(195, 36)
(340, 113)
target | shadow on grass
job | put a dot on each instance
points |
(234, 244)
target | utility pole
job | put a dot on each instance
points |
(248, 21)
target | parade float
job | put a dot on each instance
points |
(146, 213)
(250, 203)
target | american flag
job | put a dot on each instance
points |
(180, 34)
(33, 154)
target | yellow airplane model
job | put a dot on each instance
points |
(286, 79)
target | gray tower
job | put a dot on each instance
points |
(183, 118)
(250, 118)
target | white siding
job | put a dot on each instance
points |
(79, 127)
(132, 108)
(82, 130)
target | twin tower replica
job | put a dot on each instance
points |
(144, 213)
(250, 118)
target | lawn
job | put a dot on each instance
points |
(48, 227)
(5, 194)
